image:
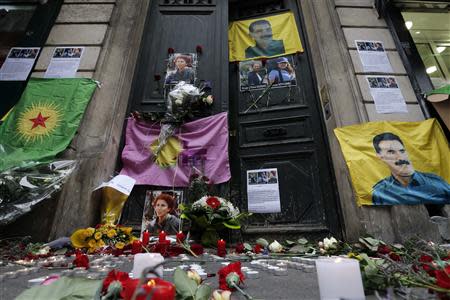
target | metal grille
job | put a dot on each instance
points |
(186, 2)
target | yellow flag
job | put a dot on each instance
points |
(397, 162)
(269, 36)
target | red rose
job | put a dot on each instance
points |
(170, 50)
(257, 249)
(197, 249)
(384, 249)
(427, 261)
(233, 269)
(443, 277)
(81, 261)
(213, 202)
(240, 248)
(199, 49)
(114, 276)
(394, 256)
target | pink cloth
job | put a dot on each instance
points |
(204, 139)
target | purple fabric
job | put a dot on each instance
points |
(206, 139)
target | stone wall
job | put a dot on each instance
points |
(334, 25)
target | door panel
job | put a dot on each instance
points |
(284, 131)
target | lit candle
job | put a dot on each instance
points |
(136, 247)
(145, 238)
(162, 236)
(221, 248)
(180, 237)
(339, 278)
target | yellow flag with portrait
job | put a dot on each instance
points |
(268, 36)
(397, 162)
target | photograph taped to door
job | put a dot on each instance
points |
(181, 67)
(258, 74)
(171, 218)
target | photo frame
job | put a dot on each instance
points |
(181, 67)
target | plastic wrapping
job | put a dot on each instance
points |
(21, 188)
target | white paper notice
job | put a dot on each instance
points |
(263, 192)
(18, 64)
(64, 62)
(122, 183)
(373, 56)
(386, 94)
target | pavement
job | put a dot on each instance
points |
(296, 284)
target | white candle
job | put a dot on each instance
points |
(339, 278)
(252, 274)
(144, 260)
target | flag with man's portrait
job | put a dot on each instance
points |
(200, 146)
(376, 154)
(268, 36)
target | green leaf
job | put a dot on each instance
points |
(262, 242)
(209, 238)
(185, 286)
(290, 243)
(203, 292)
(298, 249)
(248, 247)
(184, 216)
(230, 225)
(302, 241)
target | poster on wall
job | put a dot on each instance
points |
(181, 67)
(267, 36)
(254, 75)
(64, 62)
(161, 205)
(18, 64)
(373, 56)
(397, 162)
(263, 192)
(386, 94)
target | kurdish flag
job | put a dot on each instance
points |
(44, 121)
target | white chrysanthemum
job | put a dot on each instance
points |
(224, 205)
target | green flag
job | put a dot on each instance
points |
(44, 121)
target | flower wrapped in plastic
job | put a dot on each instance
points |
(210, 214)
(21, 188)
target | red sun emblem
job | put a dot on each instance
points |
(39, 121)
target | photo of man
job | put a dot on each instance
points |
(405, 185)
(283, 72)
(256, 75)
(265, 45)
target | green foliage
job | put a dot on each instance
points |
(188, 289)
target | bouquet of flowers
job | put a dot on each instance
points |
(210, 214)
(102, 236)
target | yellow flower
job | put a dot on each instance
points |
(127, 230)
(111, 233)
(90, 231)
(92, 243)
(100, 244)
(120, 245)
(79, 237)
(98, 235)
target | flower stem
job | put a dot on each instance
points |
(247, 296)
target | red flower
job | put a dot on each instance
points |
(170, 50)
(427, 261)
(175, 251)
(257, 249)
(394, 256)
(199, 49)
(443, 277)
(157, 77)
(81, 261)
(213, 202)
(240, 248)
(114, 276)
(384, 249)
(197, 249)
(227, 273)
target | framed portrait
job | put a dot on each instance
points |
(181, 67)
(161, 205)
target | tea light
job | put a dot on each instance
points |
(252, 274)
(25, 271)
(10, 275)
(182, 267)
(307, 261)
(80, 273)
(339, 278)
(203, 275)
(144, 260)
(225, 263)
(308, 268)
(67, 273)
(280, 271)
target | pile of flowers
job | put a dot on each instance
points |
(210, 214)
(102, 236)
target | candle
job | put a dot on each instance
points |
(180, 237)
(339, 278)
(221, 248)
(136, 247)
(162, 236)
(144, 260)
(145, 238)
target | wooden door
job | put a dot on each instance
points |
(286, 132)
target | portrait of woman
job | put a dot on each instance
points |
(183, 70)
(162, 217)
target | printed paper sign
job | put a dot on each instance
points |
(387, 95)
(64, 62)
(263, 191)
(373, 56)
(18, 64)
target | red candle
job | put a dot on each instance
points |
(221, 250)
(136, 247)
(162, 236)
(145, 238)
(180, 236)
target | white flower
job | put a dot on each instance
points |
(178, 102)
(192, 274)
(221, 295)
(275, 247)
(329, 243)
